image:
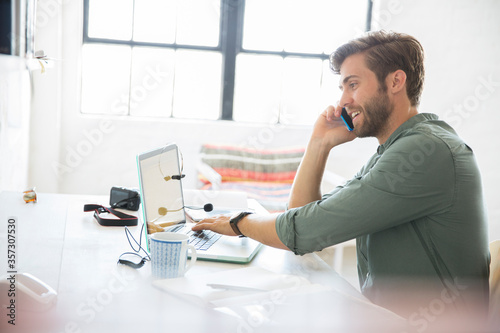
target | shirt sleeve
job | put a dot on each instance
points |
(414, 177)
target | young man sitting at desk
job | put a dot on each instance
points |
(416, 207)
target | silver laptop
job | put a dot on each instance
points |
(160, 178)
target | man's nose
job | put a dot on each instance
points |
(345, 99)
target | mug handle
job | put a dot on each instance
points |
(193, 258)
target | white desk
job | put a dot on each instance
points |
(66, 248)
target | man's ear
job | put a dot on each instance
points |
(397, 81)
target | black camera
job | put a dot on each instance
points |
(121, 197)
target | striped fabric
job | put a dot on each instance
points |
(235, 163)
(265, 175)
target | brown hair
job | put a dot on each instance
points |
(385, 53)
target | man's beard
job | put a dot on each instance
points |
(376, 112)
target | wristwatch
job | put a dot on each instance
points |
(233, 222)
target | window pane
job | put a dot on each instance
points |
(110, 19)
(198, 22)
(338, 29)
(262, 26)
(155, 21)
(330, 92)
(152, 81)
(197, 87)
(303, 27)
(257, 89)
(301, 91)
(312, 26)
(105, 79)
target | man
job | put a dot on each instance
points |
(415, 208)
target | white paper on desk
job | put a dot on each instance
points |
(195, 287)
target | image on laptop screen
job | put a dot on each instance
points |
(161, 187)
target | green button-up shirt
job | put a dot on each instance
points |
(416, 211)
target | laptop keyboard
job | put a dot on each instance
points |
(202, 240)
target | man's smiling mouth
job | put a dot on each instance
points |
(355, 114)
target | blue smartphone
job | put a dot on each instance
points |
(347, 119)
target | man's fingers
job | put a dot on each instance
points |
(200, 226)
(204, 224)
(338, 110)
(330, 112)
(333, 112)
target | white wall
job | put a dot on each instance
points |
(15, 101)
(45, 136)
(92, 153)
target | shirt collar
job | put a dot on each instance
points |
(407, 125)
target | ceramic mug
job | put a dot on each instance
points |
(169, 253)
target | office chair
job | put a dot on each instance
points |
(495, 283)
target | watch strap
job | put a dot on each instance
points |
(233, 222)
(123, 219)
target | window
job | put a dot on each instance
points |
(254, 60)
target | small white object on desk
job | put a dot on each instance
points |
(234, 287)
(28, 292)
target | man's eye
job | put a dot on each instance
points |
(352, 85)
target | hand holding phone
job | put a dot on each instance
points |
(347, 119)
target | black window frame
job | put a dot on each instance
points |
(232, 15)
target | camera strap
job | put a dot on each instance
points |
(123, 219)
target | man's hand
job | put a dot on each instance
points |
(262, 228)
(218, 223)
(330, 129)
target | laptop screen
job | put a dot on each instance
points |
(161, 187)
